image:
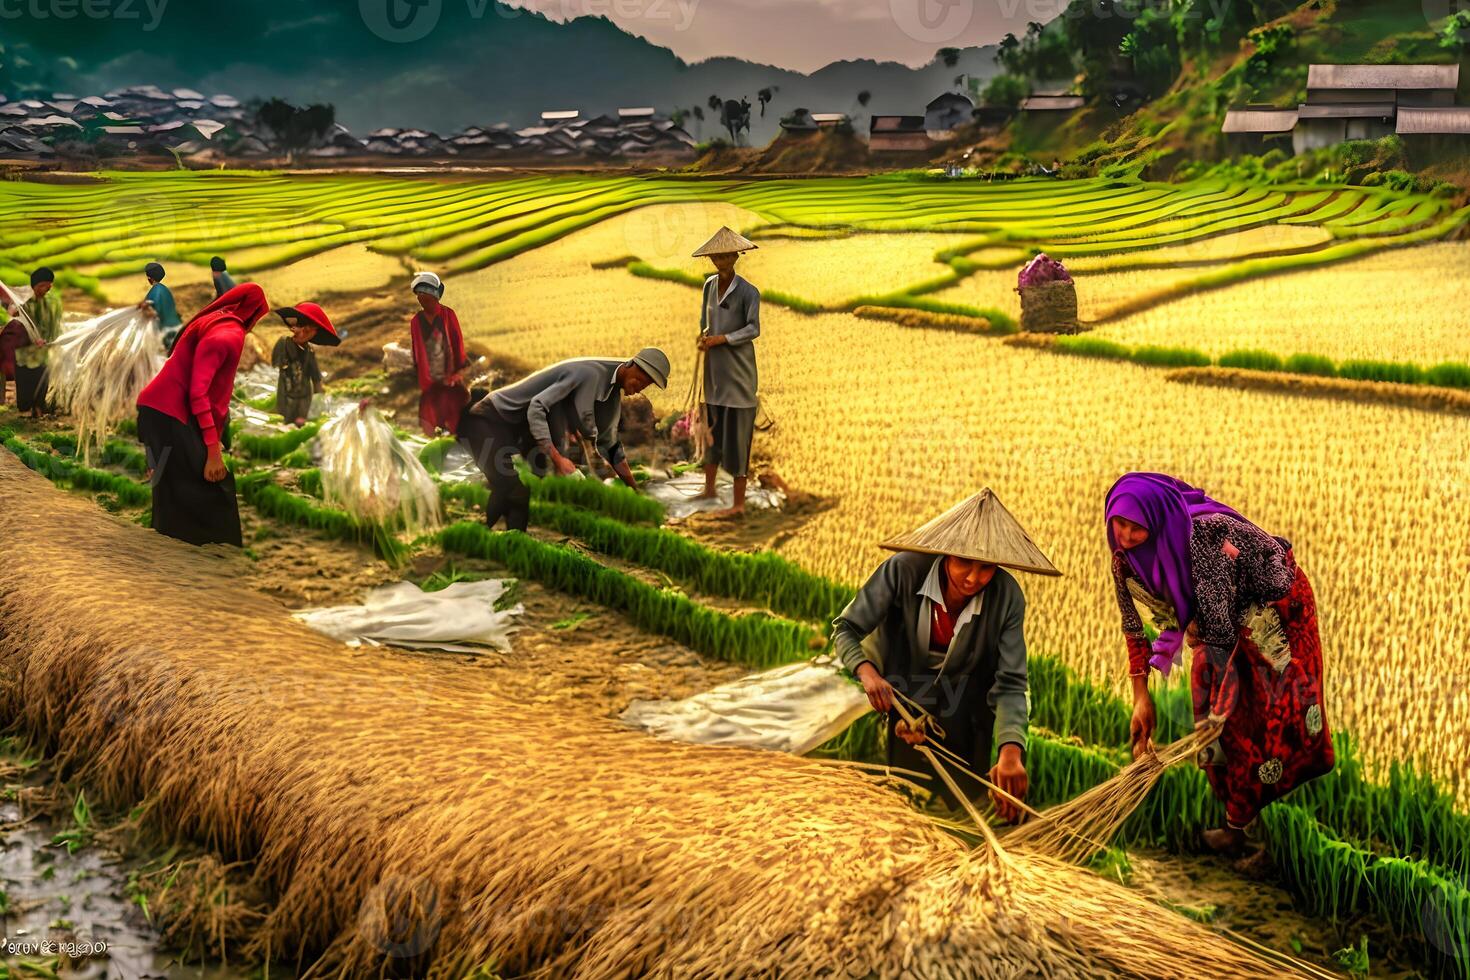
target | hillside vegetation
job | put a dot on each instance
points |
(1158, 84)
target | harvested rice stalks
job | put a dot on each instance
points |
(411, 821)
(370, 474)
(97, 370)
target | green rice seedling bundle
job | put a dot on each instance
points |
(272, 446)
(1314, 364)
(609, 853)
(1371, 370)
(1252, 360)
(1169, 356)
(97, 369)
(433, 452)
(755, 638)
(64, 471)
(764, 577)
(260, 491)
(1449, 374)
(612, 499)
(368, 472)
(1094, 347)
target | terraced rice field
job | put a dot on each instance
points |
(908, 421)
(891, 435)
(111, 228)
(892, 423)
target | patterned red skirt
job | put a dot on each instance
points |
(1275, 735)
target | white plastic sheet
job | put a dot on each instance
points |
(13, 299)
(368, 472)
(260, 382)
(461, 618)
(98, 368)
(793, 709)
(677, 494)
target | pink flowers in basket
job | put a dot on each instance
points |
(1042, 269)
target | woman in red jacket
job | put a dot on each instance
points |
(438, 354)
(183, 421)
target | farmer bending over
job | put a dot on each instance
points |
(949, 626)
(530, 419)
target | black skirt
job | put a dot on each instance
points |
(186, 505)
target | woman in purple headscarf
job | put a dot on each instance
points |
(1212, 578)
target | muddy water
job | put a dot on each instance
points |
(71, 912)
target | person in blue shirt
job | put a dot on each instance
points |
(160, 302)
(223, 281)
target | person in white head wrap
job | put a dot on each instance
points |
(438, 356)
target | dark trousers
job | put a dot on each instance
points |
(31, 386)
(186, 505)
(495, 442)
(961, 706)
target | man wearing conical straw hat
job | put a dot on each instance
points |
(949, 619)
(729, 323)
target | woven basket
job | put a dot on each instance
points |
(1049, 307)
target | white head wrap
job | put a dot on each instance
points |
(428, 282)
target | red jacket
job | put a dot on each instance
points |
(419, 326)
(198, 379)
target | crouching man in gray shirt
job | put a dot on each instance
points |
(531, 419)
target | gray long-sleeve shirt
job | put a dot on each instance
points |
(730, 377)
(893, 603)
(582, 394)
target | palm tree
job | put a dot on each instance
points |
(765, 95)
(864, 97)
(950, 56)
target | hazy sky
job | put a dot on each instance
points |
(807, 34)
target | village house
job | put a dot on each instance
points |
(1258, 129)
(946, 114)
(898, 134)
(1057, 104)
(1354, 102)
(798, 122)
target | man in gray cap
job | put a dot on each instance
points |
(531, 419)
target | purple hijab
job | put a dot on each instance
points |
(1167, 507)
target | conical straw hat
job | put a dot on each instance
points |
(726, 241)
(980, 529)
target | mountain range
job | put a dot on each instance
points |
(435, 64)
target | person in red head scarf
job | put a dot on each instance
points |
(438, 355)
(183, 422)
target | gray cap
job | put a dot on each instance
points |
(655, 363)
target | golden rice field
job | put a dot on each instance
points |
(1257, 242)
(894, 424)
(1400, 305)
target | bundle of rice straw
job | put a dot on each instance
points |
(97, 369)
(411, 821)
(374, 477)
